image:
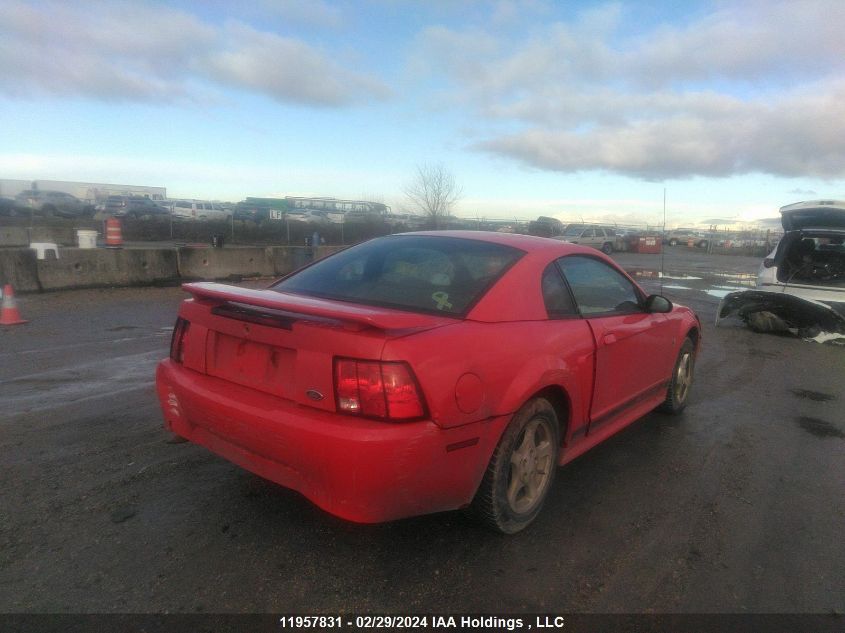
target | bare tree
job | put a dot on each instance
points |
(433, 191)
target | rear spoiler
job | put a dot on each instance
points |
(356, 315)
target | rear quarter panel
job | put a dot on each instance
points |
(504, 363)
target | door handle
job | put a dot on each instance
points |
(609, 339)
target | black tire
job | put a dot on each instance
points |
(682, 375)
(521, 470)
(673, 242)
(607, 248)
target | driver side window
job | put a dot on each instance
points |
(598, 288)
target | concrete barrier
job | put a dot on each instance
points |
(220, 263)
(91, 268)
(19, 268)
(14, 236)
(286, 259)
(65, 236)
(325, 251)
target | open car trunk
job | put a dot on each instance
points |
(815, 258)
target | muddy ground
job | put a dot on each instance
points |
(738, 506)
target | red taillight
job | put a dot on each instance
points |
(177, 341)
(377, 390)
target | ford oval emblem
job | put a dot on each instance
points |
(314, 395)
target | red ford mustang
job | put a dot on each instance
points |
(425, 372)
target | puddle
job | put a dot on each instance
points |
(746, 280)
(820, 428)
(816, 396)
(653, 273)
(720, 294)
(120, 328)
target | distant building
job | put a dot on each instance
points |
(89, 191)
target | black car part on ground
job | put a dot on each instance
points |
(777, 312)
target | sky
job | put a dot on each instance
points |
(577, 110)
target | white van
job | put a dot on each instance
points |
(197, 210)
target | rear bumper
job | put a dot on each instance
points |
(360, 470)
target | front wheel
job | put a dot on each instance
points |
(521, 470)
(679, 387)
(607, 248)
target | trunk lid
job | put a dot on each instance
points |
(285, 344)
(817, 214)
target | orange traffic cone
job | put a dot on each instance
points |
(9, 314)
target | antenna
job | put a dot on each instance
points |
(662, 246)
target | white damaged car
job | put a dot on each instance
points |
(801, 284)
(809, 262)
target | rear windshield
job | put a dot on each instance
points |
(411, 272)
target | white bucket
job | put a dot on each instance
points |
(86, 239)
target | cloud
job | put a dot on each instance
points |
(802, 192)
(801, 134)
(287, 69)
(113, 54)
(748, 87)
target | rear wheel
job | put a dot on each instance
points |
(673, 242)
(521, 471)
(679, 386)
(607, 248)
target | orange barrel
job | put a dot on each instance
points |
(114, 234)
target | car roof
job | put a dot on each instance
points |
(528, 243)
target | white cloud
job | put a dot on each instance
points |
(286, 69)
(140, 52)
(749, 87)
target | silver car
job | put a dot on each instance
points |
(600, 237)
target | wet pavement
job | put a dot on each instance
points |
(737, 506)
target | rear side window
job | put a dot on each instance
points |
(556, 295)
(426, 273)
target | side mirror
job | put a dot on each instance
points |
(658, 303)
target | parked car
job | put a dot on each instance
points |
(198, 210)
(425, 372)
(315, 216)
(296, 215)
(600, 237)
(134, 207)
(683, 236)
(809, 260)
(8, 206)
(53, 203)
(545, 226)
(410, 221)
